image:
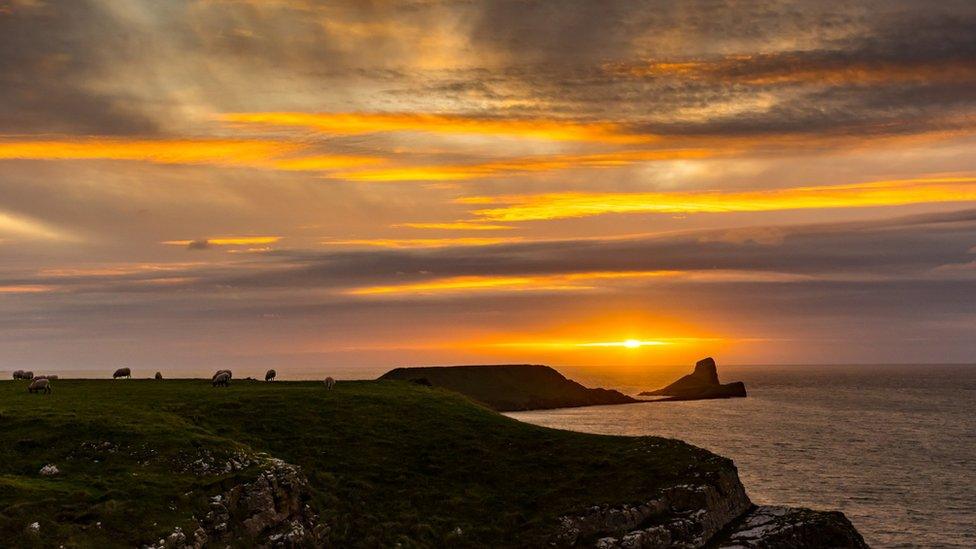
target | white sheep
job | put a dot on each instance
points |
(39, 386)
(221, 380)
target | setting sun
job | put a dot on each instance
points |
(627, 343)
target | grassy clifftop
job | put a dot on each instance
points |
(386, 462)
(512, 387)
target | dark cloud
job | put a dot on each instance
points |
(56, 60)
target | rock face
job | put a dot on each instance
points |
(273, 510)
(512, 387)
(686, 515)
(715, 512)
(770, 527)
(701, 384)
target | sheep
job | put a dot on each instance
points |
(51, 377)
(271, 375)
(218, 372)
(329, 383)
(19, 374)
(122, 372)
(41, 385)
(222, 379)
(158, 377)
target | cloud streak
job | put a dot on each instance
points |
(516, 208)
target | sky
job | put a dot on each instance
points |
(617, 183)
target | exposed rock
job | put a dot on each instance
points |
(271, 510)
(770, 527)
(687, 515)
(701, 384)
(50, 470)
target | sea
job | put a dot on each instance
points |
(892, 446)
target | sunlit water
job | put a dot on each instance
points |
(893, 447)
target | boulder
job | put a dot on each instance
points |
(772, 527)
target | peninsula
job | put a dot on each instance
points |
(511, 387)
(181, 463)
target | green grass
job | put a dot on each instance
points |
(388, 461)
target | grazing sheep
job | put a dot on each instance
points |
(39, 386)
(122, 372)
(20, 374)
(159, 376)
(218, 372)
(50, 377)
(222, 379)
(271, 375)
(329, 383)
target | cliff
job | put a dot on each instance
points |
(178, 463)
(511, 387)
(702, 383)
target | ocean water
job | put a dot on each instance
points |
(893, 447)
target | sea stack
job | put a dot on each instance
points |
(701, 384)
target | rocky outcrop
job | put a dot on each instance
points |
(686, 515)
(702, 383)
(511, 387)
(273, 510)
(770, 527)
(715, 512)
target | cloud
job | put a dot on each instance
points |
(516, 208)
(26, 227)
(207, 243)
(367, 123)
(253, 153)
(422, 242)
(54, 56)
(455, 226)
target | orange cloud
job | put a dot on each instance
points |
(557, 282)
(26, 289)
(522, 165)
(575, 204)
(456, 226)
(119, 269)
(796, 68)
(265, 154)
(225, 241)
(424, 242)
(364, 123)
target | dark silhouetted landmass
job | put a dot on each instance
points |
(701, 384)
(368, 464)
(512, 387)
